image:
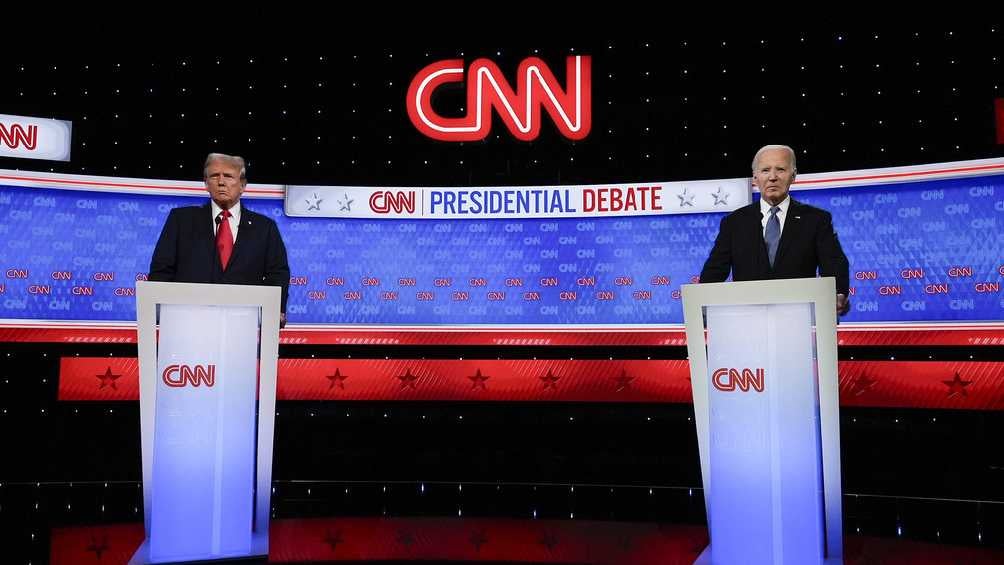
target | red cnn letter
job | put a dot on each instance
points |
(17, 136)
(420, 104)
(173, 370)
(724, 386)
(199, 375)
(748, 378)
(570, 108)
(383, 202)
(180, 375)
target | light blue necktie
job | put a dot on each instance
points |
(772, 234)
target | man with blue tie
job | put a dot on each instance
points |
(778, 237)
(222, 242)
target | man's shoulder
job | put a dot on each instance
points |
(749, 210)
(188, 211)
(253, 216)
(807, 209)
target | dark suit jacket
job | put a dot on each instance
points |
(808, 243)
(186, 251)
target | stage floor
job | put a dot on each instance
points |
(318, 522)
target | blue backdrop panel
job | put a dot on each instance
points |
(922, 251)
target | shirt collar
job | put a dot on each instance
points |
(765, 206)
(235, 210)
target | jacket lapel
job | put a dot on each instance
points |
(754, 231)
(206, 230)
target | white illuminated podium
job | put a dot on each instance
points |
(763, 368)
(207, 413)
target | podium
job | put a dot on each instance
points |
(207, 415)
(763, 368)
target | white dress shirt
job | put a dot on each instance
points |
(234, 219)
(781, 214)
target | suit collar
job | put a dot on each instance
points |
(784, 206)
(791, 232)
(208, 229)
(235, 210)
(249, 226)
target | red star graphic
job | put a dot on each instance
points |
(404, 538)
(548, 540)
(333, 539)
(478, 380)
(624, 543)
(108, 379)
(550, 381)
(623, 381)
(478, 539)
(407, 379)
(98, 547)
(339, 377)
(862, 384)
(957, 386)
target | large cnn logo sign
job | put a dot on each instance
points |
(17, 136)
(185, 375)
(728, 380)
(34, 138)
(569, 107)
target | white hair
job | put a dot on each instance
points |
(756, 158)
(234, 160)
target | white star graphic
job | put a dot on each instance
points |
(345, 203)
(686, 199)
(721, 197)
(315, 203)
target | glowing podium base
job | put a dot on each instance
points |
(207, 417)
(763, 367)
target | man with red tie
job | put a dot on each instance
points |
(778, 237)
(222, 242)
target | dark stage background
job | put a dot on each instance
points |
(691, 107)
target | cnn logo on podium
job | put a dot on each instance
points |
(194, 375)
(728, 380)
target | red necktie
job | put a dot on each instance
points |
(224, 239)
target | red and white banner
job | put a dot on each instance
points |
(560, 380)
(518, 202)
(878, 335)
(954, 385)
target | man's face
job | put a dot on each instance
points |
(773, 175)
(224, 184)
